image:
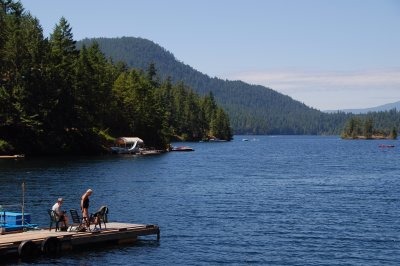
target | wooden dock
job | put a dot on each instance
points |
(30, 244)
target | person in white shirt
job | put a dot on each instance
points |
(62, 217)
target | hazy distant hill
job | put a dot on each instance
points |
(385, 107)
(252, 109)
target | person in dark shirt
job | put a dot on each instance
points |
(85, 206)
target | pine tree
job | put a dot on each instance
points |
(220, 125)
(368, 128)
(22, 51)
(152, 75)
(63, 56)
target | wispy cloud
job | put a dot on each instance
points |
(331, 89)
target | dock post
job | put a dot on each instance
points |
(23, 204)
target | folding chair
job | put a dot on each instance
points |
(76, 220)
(100, 216)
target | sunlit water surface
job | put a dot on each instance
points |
(284, 200)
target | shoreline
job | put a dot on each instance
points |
(373, 137)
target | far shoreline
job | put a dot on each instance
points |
(373, 137)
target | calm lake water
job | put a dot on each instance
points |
(285, 200)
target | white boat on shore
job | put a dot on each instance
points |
(127, 145)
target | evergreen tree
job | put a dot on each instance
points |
(368, 127)
(220, 126)
(20, 85)
(164, 96)
(63, 57)
(209, 107)
(93, 87)
(152, 75)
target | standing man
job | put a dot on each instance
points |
(85, 207)
(62, 218)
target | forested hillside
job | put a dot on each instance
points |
(252, 109)
(56, 99)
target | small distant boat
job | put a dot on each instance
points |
(216, 140)
(245, 139)
(182, 148)
(386, 146)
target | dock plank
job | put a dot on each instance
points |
(41, 234)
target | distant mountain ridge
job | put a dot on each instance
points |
(380, 108)
(252, 109)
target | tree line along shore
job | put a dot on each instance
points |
(363, 128)
(56, 99)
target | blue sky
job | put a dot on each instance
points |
(328, 54)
